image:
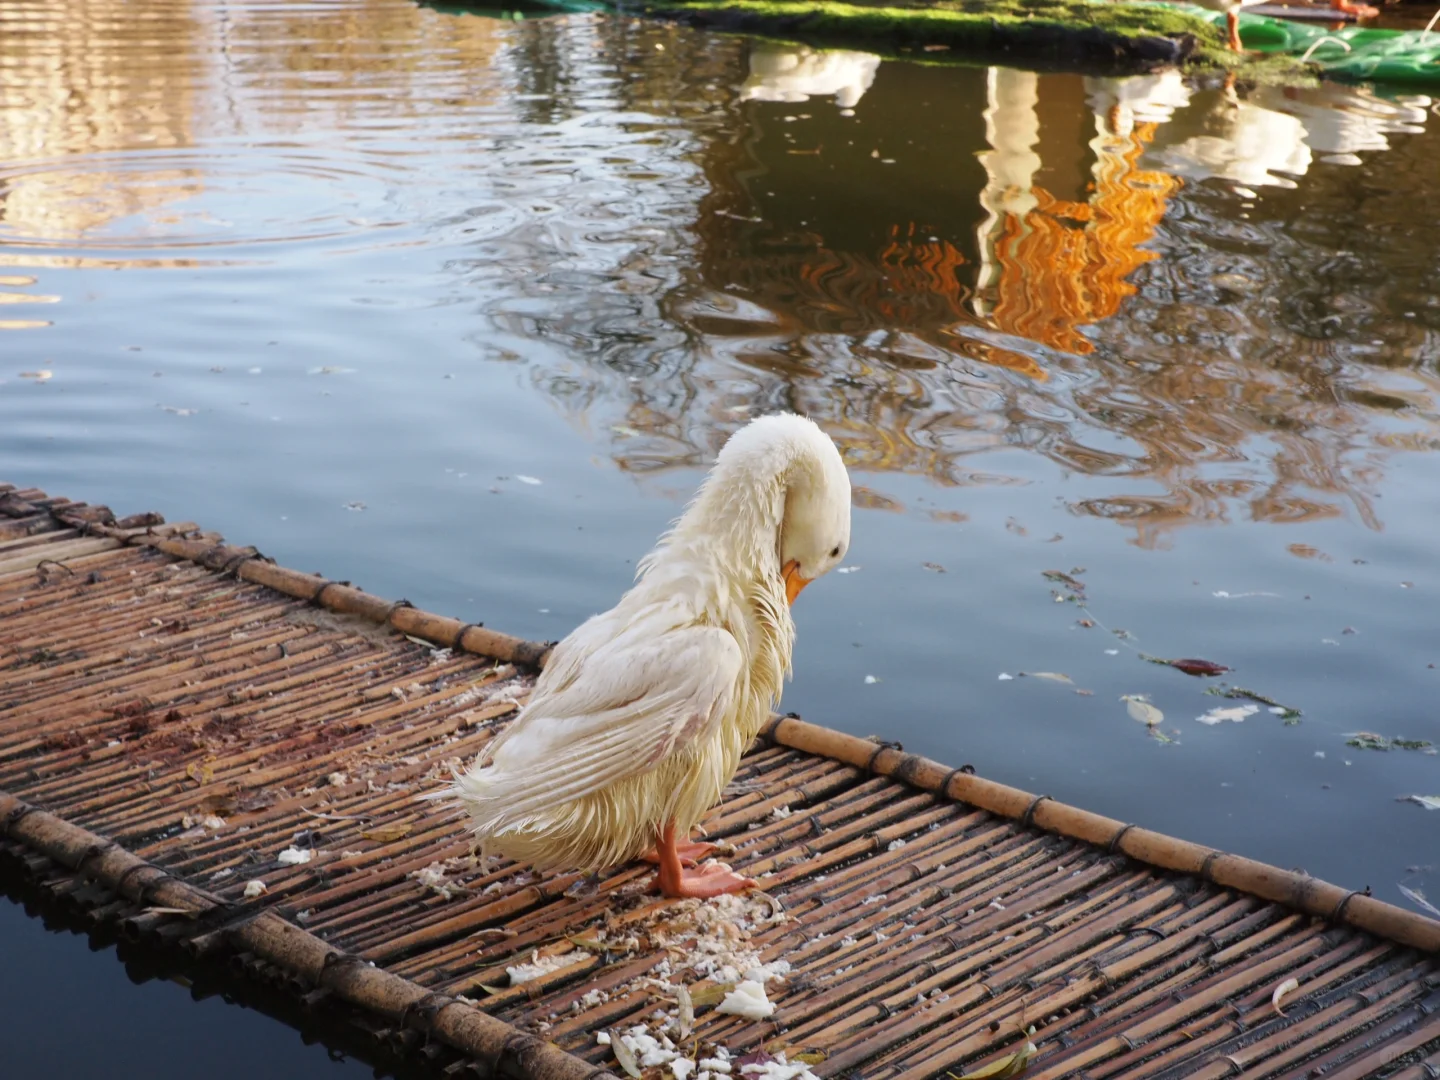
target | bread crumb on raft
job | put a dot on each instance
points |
(538, 966)
(748, 1000)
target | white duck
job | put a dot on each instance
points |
(640, 717)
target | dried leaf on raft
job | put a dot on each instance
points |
(1141, 710)
(1189, 665)
(384, 834)
(199, 772)
(1008, 1066)
(687, 1010)
(624, 1055)
(1429, 802)
(713, 994)
(1280, 991)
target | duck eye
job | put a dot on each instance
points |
(835, 552)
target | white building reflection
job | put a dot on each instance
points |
(797, 73)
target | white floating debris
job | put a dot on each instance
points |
(254, 889)
(1005, 678)
(870, 680)
(294, 856)
(847, 570)
(1220, 715)
(748, 1000)
(535, 481)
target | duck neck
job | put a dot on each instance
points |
(735, 518)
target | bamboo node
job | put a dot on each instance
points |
(1028, 818)
(426, 1009)
(1338, 915)
(335, 960)
(1114, 846)
(1204, 872)
(1160, 934)
(318, 596)
(119, 886)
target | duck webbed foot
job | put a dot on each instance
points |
(690, 852)
(673, 879)
(712, 879)
(1360, 11)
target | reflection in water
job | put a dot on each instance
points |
(937, 262)
(862, 292)
(73, 86)
(797, 73)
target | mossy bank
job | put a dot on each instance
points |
(1114, 37)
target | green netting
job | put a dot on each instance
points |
(1396, 56)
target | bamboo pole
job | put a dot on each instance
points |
(309, 962)
(1298, 891)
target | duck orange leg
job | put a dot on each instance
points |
(1232, 23)
(691, 853)
(675, 880)
(1362, 11)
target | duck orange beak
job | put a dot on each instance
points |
(793, 581)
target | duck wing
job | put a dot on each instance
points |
(634, 699)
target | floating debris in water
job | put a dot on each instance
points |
(1220, 714)
(1141, 710)
(1429, 802)
(1189, 666)
(1368, 740)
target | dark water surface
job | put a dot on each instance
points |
(344, 279)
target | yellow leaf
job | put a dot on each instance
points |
(200, 773)
(810, 1057)
(384, 834)
(710, 995)
(1280, 991)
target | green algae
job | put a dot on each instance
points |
(1068, 32)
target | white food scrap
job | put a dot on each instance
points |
(748, 1000)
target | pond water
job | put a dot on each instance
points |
(460, 307)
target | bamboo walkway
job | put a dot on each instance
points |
(222, 756)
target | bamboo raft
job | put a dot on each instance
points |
(180, 718)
